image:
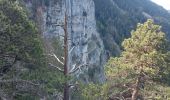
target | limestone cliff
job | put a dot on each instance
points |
(87, 45)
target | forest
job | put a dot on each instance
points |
(137, 61)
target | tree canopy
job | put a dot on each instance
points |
(20, 45)
(19, 37)
(144, 61)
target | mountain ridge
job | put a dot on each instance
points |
(116, 18)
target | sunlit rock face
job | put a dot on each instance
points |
(85, 44)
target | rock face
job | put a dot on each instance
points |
(88, 48)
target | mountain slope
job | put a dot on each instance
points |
(116, 18)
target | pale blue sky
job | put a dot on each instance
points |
(164, 3)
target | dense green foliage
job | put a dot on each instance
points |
(116, 18)
(142, 66)
(20, 46)
(22, 60)
(145, 55)
(19, 38)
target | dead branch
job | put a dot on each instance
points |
(54, 55)
(74, 69)
(71, 49)
(56, 67)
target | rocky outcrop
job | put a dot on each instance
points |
(85, 42)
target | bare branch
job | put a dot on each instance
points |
(53, 55)
(58, 59)
(71, 49)
(56, 67)
(73, 67)
(77, 68)
(71, 86)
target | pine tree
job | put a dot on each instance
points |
(21, 53)
(143, 62)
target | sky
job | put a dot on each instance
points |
(163, 3)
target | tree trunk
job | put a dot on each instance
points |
(66, 91)
(66, 87)
(137, 86)
(135, 94)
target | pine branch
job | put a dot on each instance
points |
(17, 80)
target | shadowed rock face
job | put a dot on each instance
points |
(88, 46)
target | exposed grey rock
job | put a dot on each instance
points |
(88, 46)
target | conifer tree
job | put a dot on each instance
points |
(143, 62)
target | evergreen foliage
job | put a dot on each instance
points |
(144, 62)
(22, 57)
(19, 38)
(141, 71)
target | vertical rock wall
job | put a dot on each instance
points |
(88, 48)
